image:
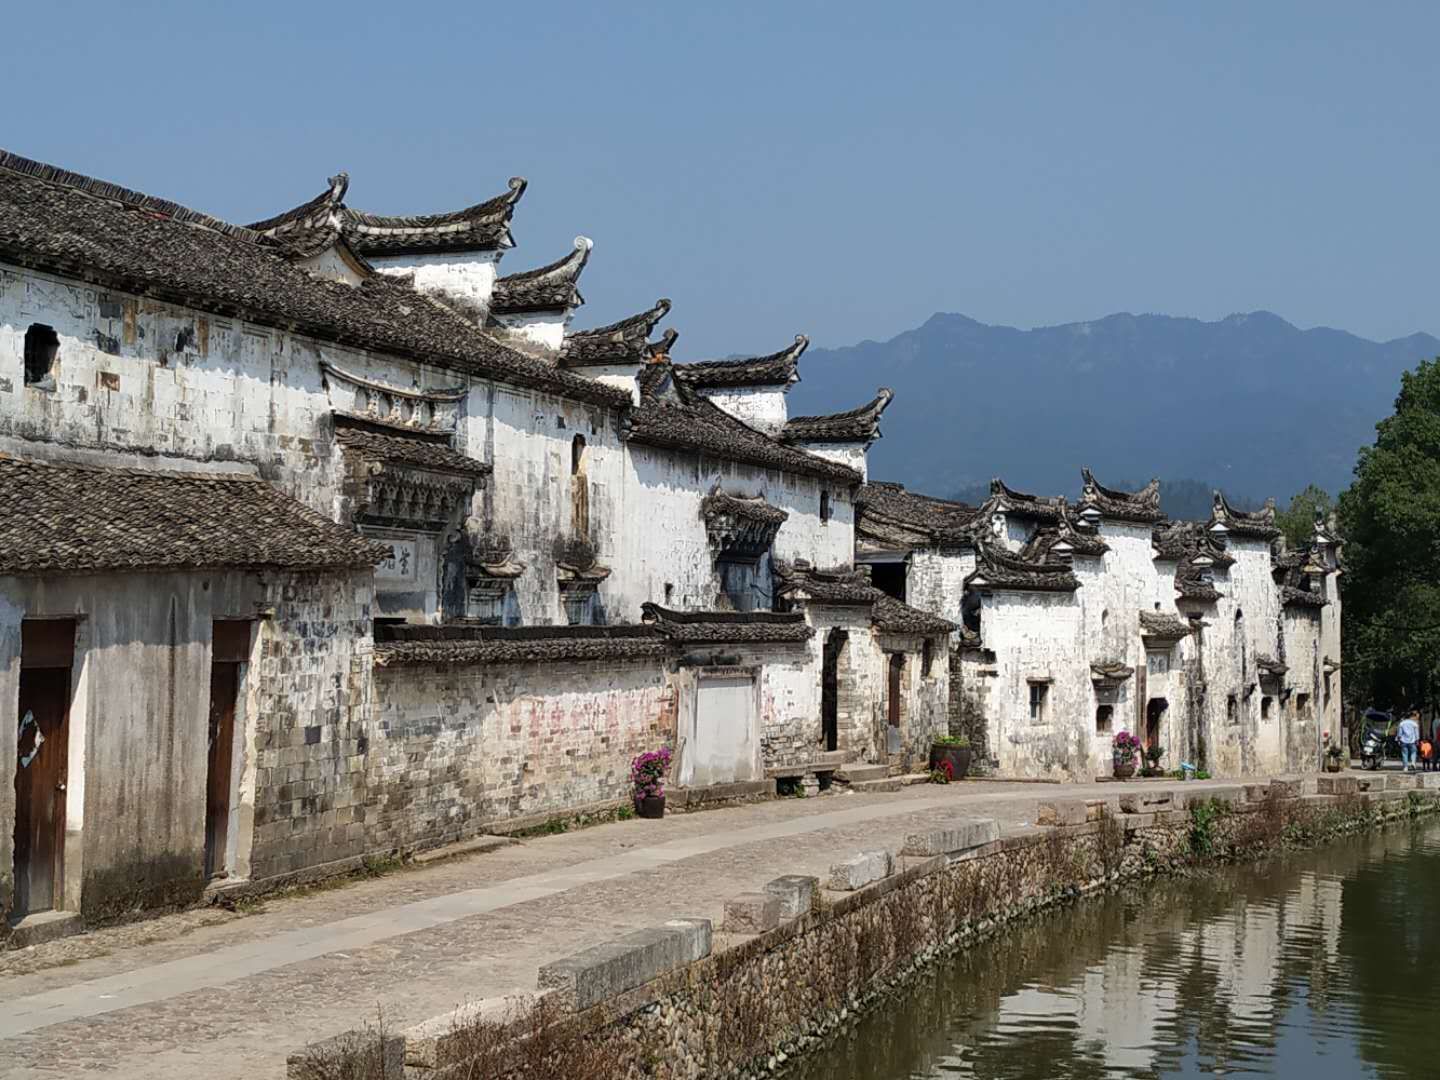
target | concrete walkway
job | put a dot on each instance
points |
(210, 994)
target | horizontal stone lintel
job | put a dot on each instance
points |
(605, 971)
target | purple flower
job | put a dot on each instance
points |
(647, 773)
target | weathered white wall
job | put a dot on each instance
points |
(660, 535)
(762, 407)
(853, 454)
(545, 330)
(468, 277)
(935, 581)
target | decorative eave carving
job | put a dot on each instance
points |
(739, 527)
(434, 410)
(1161, 628)
(577, 565)
(490, 556)
(1109, 672)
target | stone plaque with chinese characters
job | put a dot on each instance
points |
(399, 564)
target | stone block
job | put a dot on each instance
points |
(1061, 812)
(860, 870)
(1229, 794)
(961, 834)
(433, 1043)
(796, 893)
(1145, 801)
(1371, 782)
(353, 1053)
(1337, 784)
(1290, 787)
(751, 913)
(604, 971)
(1095, 809)
(1430, 780)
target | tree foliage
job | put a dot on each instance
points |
(1297, 521)
(1390, 520)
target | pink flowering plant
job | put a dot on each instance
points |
(647, 773)
(1124, 747)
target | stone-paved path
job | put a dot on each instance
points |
(218, 995)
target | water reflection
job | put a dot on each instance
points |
(1320, 966)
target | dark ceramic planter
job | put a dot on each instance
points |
(1332, 764)
(1124, 770)
(652, 806)
(958, 756)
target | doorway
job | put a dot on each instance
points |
(830, 688)
(47, 654)
(230, 650)
(723, 745)
(892, 697)
(1154, 715)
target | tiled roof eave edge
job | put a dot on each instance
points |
(601, 394)
(825, 470)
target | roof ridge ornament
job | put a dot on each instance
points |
(551, 287)
(624, 341)
(854, 425)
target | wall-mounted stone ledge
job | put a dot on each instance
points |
(1062, 812)
(432, 1043)
(602, 972)
(960, 835)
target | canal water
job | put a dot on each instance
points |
(1319, 966)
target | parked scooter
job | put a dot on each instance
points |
(1379, 741)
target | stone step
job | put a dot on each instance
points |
(885, 783)
(858, 771)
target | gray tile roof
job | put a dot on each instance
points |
(98, 232)
(889, 514)
(402, 645)
(426, 452)
(727, 627)
(1141, 506)
(623, 342)
(482, 227)
(83, 518)
(777, 369)
(554, 287)
(854, 425)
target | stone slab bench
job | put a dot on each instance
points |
(604, 971)
(960, 835)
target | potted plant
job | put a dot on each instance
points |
(1123, 748)
(1334, 756)
(951, 755)
(647, 775)
(1153, 754)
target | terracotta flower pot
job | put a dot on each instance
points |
(1124, 770)
(650, 806)
(957, 756)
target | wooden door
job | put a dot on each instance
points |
(897, 666)
(830, 689)
(224, 683)
(40, 779)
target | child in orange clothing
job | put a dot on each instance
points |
(1427, 755)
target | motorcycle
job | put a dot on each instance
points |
(1378, 743)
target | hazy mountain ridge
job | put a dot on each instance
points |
(1249, 403)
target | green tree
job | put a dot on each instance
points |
(1297, 521)
(1390, 519)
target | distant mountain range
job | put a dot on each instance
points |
(1250, 403)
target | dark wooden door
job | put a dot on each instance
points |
(40, 788)
(830, 689)
(224, 683)
(897, 665)
(1154, 712)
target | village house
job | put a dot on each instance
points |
(1208, 639)
(328, 540)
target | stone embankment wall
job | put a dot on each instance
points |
(796, 960)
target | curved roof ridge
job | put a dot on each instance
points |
(329, 201)
(779, 368)
(1254, 524)
(861, 424)
(483, 226)
(544, 288)
(624, 341)
(1141, 506)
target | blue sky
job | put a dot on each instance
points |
(838, 169)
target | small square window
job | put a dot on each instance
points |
(42, 346)
(1232, 709)
(1265, 707)
(1157, 663)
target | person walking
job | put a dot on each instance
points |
(1409, 736)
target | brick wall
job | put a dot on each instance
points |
(312, 730)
